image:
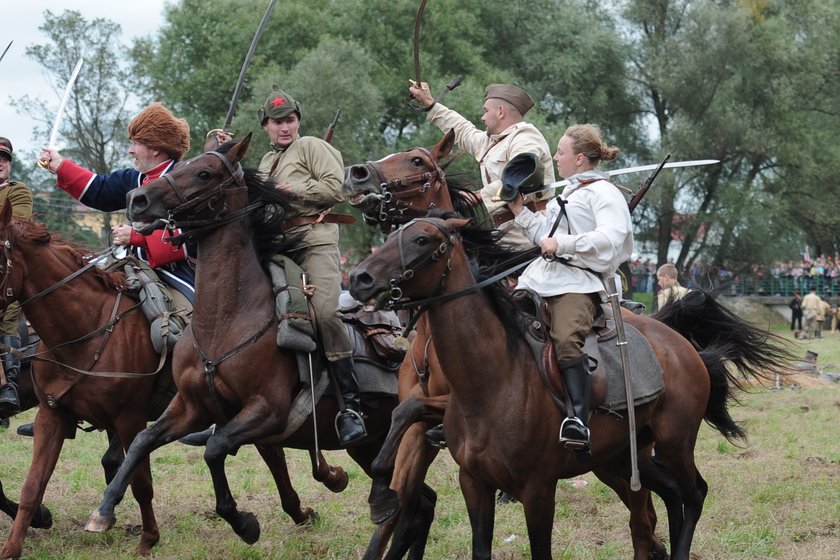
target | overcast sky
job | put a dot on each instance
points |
(19, 75)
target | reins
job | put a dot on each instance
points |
(105, 330)
(190, 229)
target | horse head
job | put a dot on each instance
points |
(195, 193)
(413, 263)
(401, 186)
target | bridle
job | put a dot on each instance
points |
(392, 202)
(215, 202)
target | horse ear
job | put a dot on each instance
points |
(455, 224)
(442, 148)
(238, 151)
(6, 213)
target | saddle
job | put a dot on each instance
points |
(605, 362)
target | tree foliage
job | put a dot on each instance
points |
(749, 82)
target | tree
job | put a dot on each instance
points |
(94, 124)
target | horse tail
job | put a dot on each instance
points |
(721, 383)
(723, 339)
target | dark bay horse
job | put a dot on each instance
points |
(227, 365)
(391, 192)
(501, 425)
(86, 327)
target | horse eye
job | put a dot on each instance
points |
(204, 175)
(422, 240)
(417, 161)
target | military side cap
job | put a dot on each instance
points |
(524, 173)
(6, 148)
(514, 95)
(278, 105)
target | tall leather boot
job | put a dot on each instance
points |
(574, 432)
(9, 403)
(349, 423)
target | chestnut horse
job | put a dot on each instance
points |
(228, 367)
(390, 192)
(500, 416)
(87, 328)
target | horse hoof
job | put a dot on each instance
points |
(249, 528)
(337, 481)
(310, 516)
(100, 523)
(42, 519)
(385, 507)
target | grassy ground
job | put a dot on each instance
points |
(776, 497)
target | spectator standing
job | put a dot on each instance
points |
(795, 312)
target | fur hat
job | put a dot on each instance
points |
(514, 95)
(156, 127)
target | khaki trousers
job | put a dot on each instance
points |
(572, 316)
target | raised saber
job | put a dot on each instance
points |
(57, 123)
(237, 90)
(548, 189)
(2, 56)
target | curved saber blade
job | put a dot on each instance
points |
(2, 56)
(64, 99)
(542, 193)
(234, 100)
(418, 21)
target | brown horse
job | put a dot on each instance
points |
(86, 326)
(390, 192)
(228, 367)
(500, 416)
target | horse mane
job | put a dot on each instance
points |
(488, 256)
(459, 183)
(20, 230)
(266, 219)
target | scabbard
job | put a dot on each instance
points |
(621, 336)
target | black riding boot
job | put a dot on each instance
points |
(9, 403)
(348, 423)
(574, 432)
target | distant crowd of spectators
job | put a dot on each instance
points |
(782, 278)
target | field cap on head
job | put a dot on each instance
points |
(514, 95)
(278, 105)
(6, 148)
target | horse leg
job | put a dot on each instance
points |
(41, 520)
(113, 457)
(275, 457)
(412, 516)
(173, 424)
(50, 427)
(538, 503)
(640, 505)
(385, 502)
(334, 479)
(481, 507)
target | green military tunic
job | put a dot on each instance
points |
(19, 195)
(315, 171)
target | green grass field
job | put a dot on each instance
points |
(777, 497)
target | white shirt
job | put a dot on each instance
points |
(601, 237)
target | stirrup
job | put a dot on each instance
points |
(359, 422)
(574, 434)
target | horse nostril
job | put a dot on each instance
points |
(137, 202)
(359, 173)
(360, 280)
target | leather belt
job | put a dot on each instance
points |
(326, 218)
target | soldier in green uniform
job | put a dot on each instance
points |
(20, 197)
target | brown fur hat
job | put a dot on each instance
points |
(156, 127)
